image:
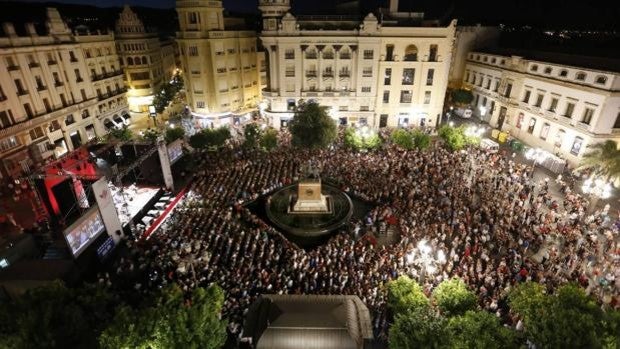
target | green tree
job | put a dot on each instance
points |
(151, 134)
(479, 330)
(611, 337)
(462, 97)
(362, 138)
(420, 328)
(453, 297)
(421, 139)
(453, 137)
(567, 319)
(251, 135)
(123, 134)
(405, 295)
(174, 133)
(54, 316)
(604, 160)
(403, 139)
(269, 139)
(312, 127)
(172, 321)
(210, 138)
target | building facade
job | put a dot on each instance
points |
(469, 39)
(389, 69)
(147, 60)
(56, 91)
(556, 102)
(219, 61)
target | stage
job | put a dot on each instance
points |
(131, 200)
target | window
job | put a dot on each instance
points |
(405, 96)
(192, 50)
(520, 118)
(47, 105)
(367, 72)
(531, 125)
(408, 75)
(72, 56)
(69, 120)
(366, 89)
(343, 108)
(289, 54)
(368, 54)
(200, 104)
(553, 105)
(508, 90)
(36, 133)
(548, 70)
(311, 54)
(587, 116)
(617, 122)
(85, 114)
(388, 76)
(429, 77)
(484, 102)
(526, 98)
(19, 87)
(427, 97)
(570, 108)
(544, 131)
(601, 80)
(466, 76)
(539, 100)
(563, 73)
(432, 54)
(386, 96)
(494, 60)
(576, 146)
(290, 71)
(581, 76)
(485, 59)
(488, 87)
(78, 77)
(481, 80)
(411, 54)
(496, 88)
(83, 93)
(39, 82)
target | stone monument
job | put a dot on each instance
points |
(310, 199)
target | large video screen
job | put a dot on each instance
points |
(175, 151)
(84, 231)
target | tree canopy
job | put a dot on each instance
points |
(251, 135)
(604, 160)
(174, 133)
(171, 322)
(419, 328)
(405, 294)
(269, 139)
(208, 138)
(312, 127)
(453, 297)
(123, 134)
(462, 96)
(361, 138)
(567, 319)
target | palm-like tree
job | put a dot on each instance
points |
(604, 161)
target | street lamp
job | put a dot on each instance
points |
(428, 263)
(597, 188)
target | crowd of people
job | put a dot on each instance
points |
(483, 217)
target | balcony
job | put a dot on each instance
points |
(311, 74)
(328, 56)
(51, 62)
(107, 75)
(33, 65)
(12, 67)
(224, 90)
(58, 83)
(55, 135)
(41, 88)
(344, 74)
(22, 92)
(328, 74)
(311, 56)
(583, 126)
(73, 60)
(289, 56)
(79, 79)
(221, 70)
(289, 74)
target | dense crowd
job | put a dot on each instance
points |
(482, 215)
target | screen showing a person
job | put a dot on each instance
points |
(175, 151)
(83, 232)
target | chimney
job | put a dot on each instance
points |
(393, 6)
(30, 29)
(9, 29)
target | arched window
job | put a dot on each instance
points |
(137, 61)
(411, 53)
(144, 61)
(581, 76)
(601, 79)
(534, 67)
(563, 73)
(548, 70)
(129, 61)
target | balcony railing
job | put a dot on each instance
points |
(311, 74)
(344, 74)
(41, 88)
(12, 67)
(58, 83)
(51, 62)
(328, 74)
(33, 64)
(22, 92)
(98, 77)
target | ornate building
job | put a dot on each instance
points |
(389, 69)
(57, 90)
(147, 60)
(219, 61)
(558, 102)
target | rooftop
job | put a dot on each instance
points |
(580, 61)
